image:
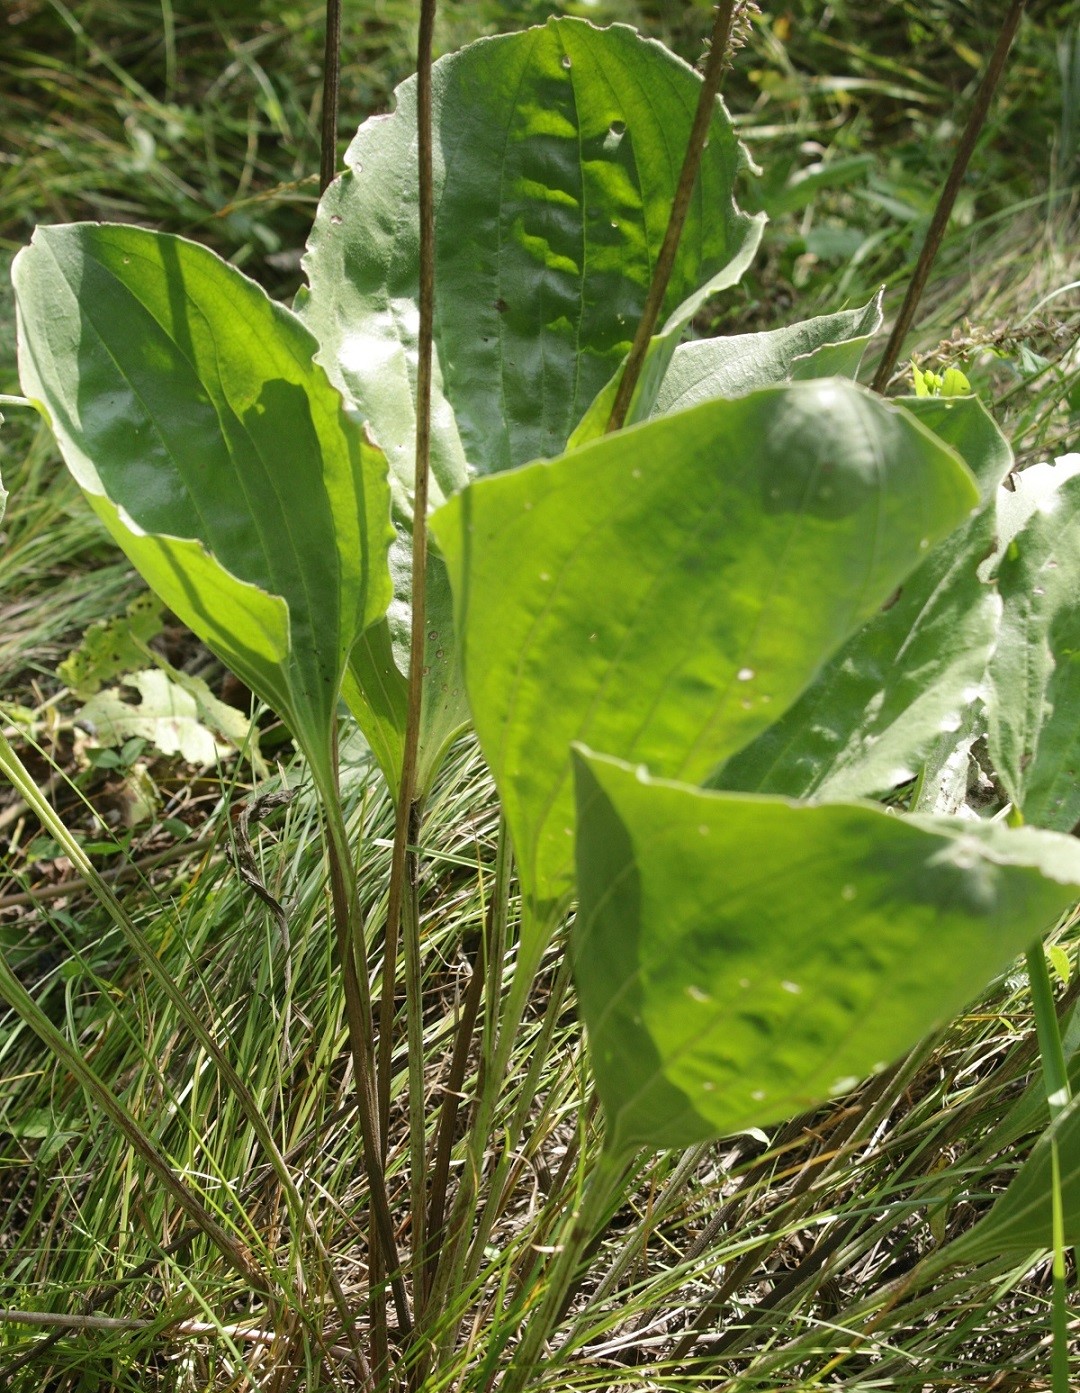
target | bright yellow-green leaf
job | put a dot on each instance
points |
(912, 674)
(667, 592)
(741, 959)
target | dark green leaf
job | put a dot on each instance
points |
(557, 154)
(188, 406)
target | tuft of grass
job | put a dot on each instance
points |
(758, 1262)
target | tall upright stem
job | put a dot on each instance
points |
(331, 90)
(353, 958)
(407, 815)
(714, 69)
(404, 869)
(942, 212)
(423, 411)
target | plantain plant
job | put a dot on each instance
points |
(723, 662)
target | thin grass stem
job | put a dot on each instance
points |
(455, 1269)
(637, 1238)
(877, 1099)
(1055, 1070)
(604, 1183)
(235, 1253)
(18, 776)
(940, 221)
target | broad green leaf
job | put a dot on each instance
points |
(376, 682)
(666, 592)
(913, 671)
(741, 959)
(188, 406)
(558, 150)
(831, 345)
(1034, 706)
(1021, 1222)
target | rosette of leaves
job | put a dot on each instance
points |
(687, 596)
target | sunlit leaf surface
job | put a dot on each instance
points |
(913, 671)
(557, 154)
(1035, 674)
(740, 959)
(665, 593)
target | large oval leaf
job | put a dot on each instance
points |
(557, 155)
(741, 959)
(188, 406)
(913, 671)
(666, 592)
